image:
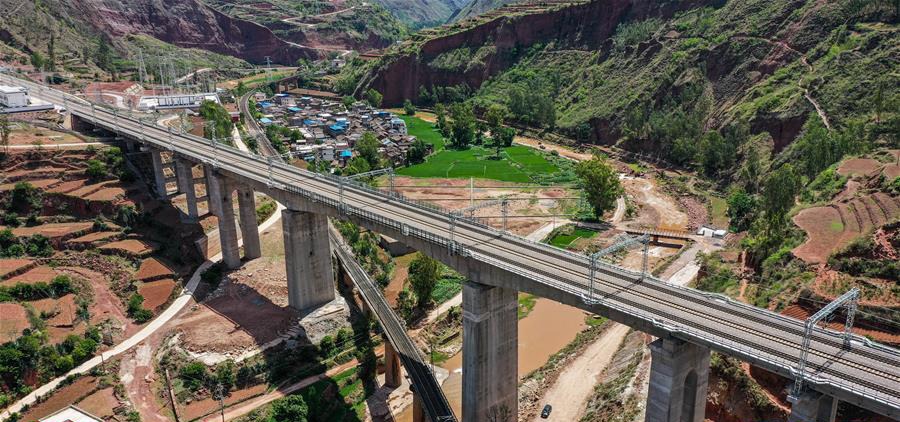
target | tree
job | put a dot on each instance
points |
(356, 165)
(96, 169)
(441, 119)
(104, 56)
(600, 183)
(348, 101)
(741, 210)
(409, 108)
(416, 152)
(225, 375)
(715, 153)
(193, 375)
(779, 191)
(37, 60)
(289, 409)
(367, 148)
(219, 125)
(51, 52)
(423, 276)
(495, 115)
(5, 130)
(374, 98)
(462, 127)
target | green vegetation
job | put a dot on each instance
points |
(608, 402)
(365, 248)
(563, 237)
(30, 354)
(519, 164)
(218, 125)
(60, 286)
(717, 277)
(526, 304)
(729, 368)
(212, 276)
(600, 184)
(36, 245)
(136, 309)
(861, 258)
(423, 277)
(182, 58)
(265, 210)
(424, 131)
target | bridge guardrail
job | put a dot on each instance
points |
(442, 241)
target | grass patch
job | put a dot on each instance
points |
(439, 357)
(526, 304)
(424, 130)
(594, 320)
(717, 209)
(565, 237)
(836, 226)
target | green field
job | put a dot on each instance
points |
(563, 239)
(517, 164)
(424, 131)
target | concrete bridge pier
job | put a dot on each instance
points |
(418, 411)
(249, 232)
(813, 406)
(679, 372)
(490, 354)
(307, 254)
(218, 190)
(159, 176)
(185, 178)
(393, 376)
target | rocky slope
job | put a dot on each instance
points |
(609, 65)
(184, 23)
(333, 25)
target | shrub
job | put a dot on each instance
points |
(193, 375)
(24, 197)
(38, 245)
(136, 309)
(96, 169)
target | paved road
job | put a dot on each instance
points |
(866, 373)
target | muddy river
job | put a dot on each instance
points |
(548, 328)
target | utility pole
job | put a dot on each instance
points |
(221, 394)
(268, 68)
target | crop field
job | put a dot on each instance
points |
(517, 164)
(424, 131)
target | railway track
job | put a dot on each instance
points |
(737, 329)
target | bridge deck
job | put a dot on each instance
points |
(866, 373)
(423, 381)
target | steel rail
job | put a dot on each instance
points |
(294, 175)
(426, 386)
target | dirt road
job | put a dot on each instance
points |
(570, 392)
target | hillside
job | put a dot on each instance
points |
(423, 13)
(77, 27)
(478, 7)
(617, 68)
(337, 25)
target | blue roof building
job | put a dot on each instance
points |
(266, 121)
(294, 109)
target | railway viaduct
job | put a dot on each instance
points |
(688, 324)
